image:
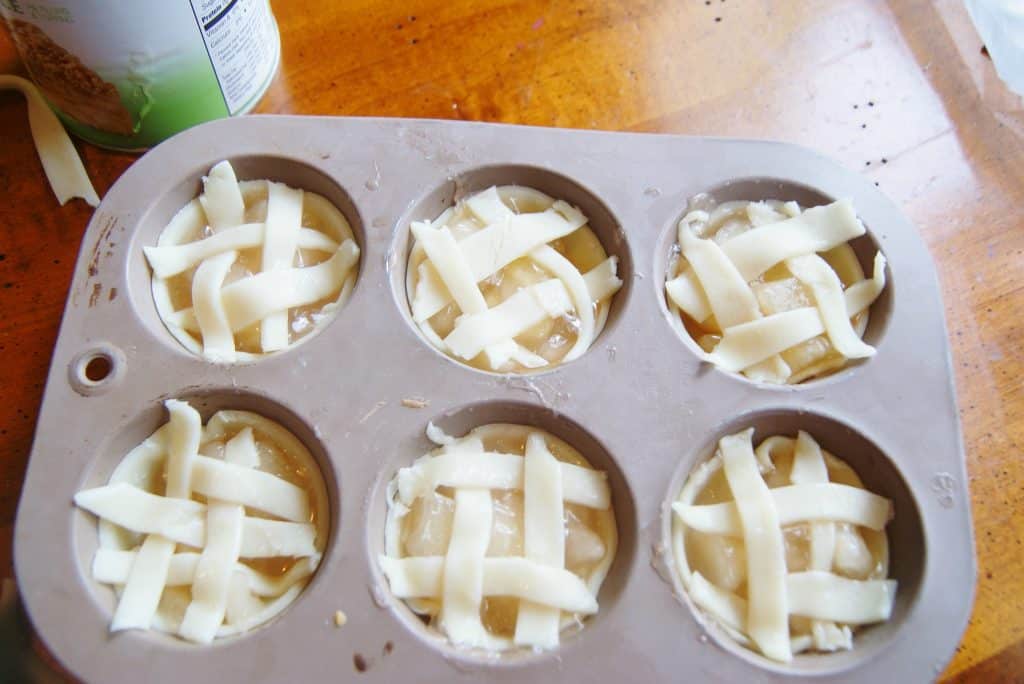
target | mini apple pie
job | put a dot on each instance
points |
(772, 291)
(501, 538)
(251, 267)
(782, 546)
(209, 531)
(510, 280)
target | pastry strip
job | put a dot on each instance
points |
(749, 343)
(793, 504)
(767, 622)
(809, 467)
(817, 595)
(507, 237)
(451, 266)
(221, 199)
(214, 328)
(462, 584)
(557, 265)
(61, 163)
(489, 470)
(421, 577)
(112, 567)
(815, 273)
(170, 260)
(184, 521)
(145, 582)
(216, 564)
(730, 298)
(525, 308)
(543, 538)
(256, 489)
(284, 220)
(752, 253)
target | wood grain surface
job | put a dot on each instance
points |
(900, 91)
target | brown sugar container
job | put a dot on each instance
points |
(128, 75)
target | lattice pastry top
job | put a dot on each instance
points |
(225, 563)
(251, 267)
(510, 280)
(502, 537)
(772, 291)
(783, 546)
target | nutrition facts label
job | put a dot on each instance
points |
(242, 44)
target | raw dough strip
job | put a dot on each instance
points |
(61, 163)
(501, 353)
(488, 470)
(216, 564)
(256, 489)
(730, 298)
(249, 300)
(746, 344)
(451, 266)
(537, 624)
(421, 577)
(551, 260)
(509, 319)
(145, 583)
(492, 248)
(809, 467)
(183, 435)
(825, 596)
(815, 274)
(169, 260)
(829, 501)
(767, 621)
(284, 220)
(111, 567)
(524, 309)
(507, 237)
(817, 595)
(214, 328)
(184, 521)
(752, 253)
(462, 584)
(222, 199)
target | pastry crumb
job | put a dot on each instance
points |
(340, 618)
(415, 403)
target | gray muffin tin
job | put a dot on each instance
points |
(639, 404)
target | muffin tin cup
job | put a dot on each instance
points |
(640, 395)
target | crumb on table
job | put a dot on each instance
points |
(415, 403)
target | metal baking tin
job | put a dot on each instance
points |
(639, 404)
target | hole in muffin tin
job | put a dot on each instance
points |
(757, 189)
(85, 529)
(907, 544)
(292, 172)
(600, 219)
(458, 422)
(96, 370)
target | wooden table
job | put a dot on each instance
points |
(900, 91)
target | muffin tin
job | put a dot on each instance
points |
(640, 404)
